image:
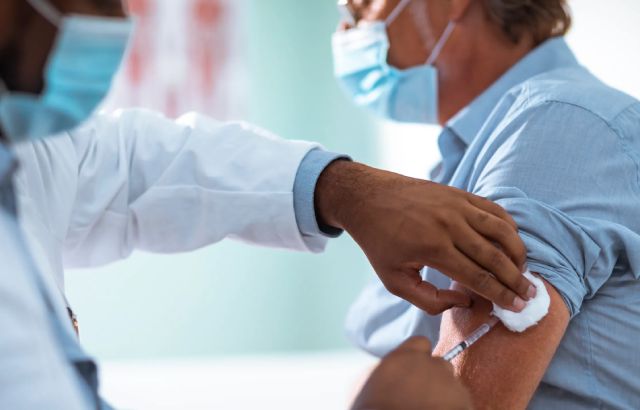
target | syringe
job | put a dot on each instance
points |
(471, 339)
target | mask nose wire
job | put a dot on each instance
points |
(441, 42)
(47, 10)
(396, 12)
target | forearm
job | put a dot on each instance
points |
(339, 190)
(348, 193)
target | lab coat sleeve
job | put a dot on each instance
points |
(34, 373)
(146, 182)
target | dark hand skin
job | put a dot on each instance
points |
(410, 379)
(403, 224)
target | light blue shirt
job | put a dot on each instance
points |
(41, 364)
(560, 151)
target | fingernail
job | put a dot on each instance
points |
(519, 304)
(532, 292)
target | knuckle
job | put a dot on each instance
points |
(503, 230)
(482, 217)
(476, 248)
(442, 219)
(435, 250)
(481, 281)
(497, 258)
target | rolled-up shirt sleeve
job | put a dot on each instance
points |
(565, 177)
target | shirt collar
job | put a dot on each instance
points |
(550, 55)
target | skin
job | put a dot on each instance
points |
(410, 379)
(475, 56)
(401, 224)
(502, 358)
(446, 228)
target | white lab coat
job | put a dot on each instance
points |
(136, 180)
(133, 180)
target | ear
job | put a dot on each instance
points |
(458, 9)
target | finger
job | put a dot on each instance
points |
(479, 280)
(492, 208)
(485, 254)
(446, 366)
(501, 233)
(416, 344)
(411, 287)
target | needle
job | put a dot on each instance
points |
(471, 339)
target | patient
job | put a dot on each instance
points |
(530, 128)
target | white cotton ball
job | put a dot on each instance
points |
(536, 309)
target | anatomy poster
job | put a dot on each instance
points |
(185, 55)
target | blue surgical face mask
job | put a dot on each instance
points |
(86, 56)
(360, 64)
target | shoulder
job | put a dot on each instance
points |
(574, 91)
(567, 109)
(564, 129)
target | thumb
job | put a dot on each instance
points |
(418, 344)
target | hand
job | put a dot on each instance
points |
(407, 33)
(409, 378)
(403, 224)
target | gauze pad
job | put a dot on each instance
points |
(536, 308)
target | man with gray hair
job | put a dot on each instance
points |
(525, 125)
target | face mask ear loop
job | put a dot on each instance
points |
(396, 12)
(47, 10)
(440, 44)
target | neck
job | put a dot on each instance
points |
(486, 59)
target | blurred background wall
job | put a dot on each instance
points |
(231, 298)
(269, 62)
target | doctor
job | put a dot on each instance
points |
(135, 180)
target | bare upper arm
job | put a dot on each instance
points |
(503, 369)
